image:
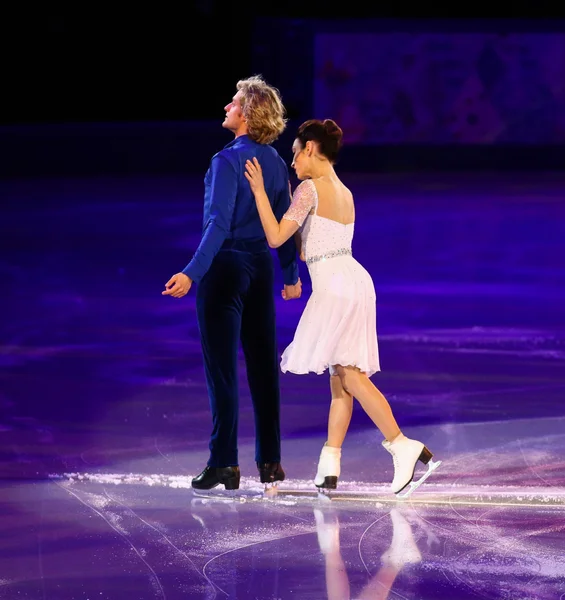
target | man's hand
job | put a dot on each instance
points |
(177, 286)
(291, 292)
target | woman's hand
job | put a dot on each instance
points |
(254, 175)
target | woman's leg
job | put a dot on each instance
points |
(405, 451)
(341, 410)
(359, 386)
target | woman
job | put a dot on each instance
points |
(337, 330)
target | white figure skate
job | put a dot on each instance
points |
(405, 455)
(329, 468)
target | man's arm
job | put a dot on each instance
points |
(287, 251)
(223, 191)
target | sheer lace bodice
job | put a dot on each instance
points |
(320, 236)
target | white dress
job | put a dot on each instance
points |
(338, 325)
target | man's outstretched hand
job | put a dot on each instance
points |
(291, 292)
(177, 286)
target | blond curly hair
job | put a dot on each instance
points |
(262, 108)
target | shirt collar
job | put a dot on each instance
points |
(242, 139)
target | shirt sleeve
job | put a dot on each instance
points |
(223, 191)
(303, 201)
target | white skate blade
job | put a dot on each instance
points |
(414, 485)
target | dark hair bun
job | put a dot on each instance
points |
(333, 129)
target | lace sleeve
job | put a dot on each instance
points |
(303, 201)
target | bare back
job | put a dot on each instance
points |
(335, 200)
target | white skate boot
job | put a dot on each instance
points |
(405, 455)
(329, 468)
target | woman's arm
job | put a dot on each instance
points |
(275, 232)
(298, 242)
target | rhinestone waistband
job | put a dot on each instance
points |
(332, 254)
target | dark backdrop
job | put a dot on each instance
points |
(91, 90)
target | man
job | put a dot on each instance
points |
(234, 271)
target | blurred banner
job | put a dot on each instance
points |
(442, 88)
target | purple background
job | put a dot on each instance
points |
(438, 88)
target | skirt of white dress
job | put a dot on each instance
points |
(339, 324)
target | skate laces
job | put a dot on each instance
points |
(389, 449)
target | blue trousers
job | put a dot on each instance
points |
(235, 302)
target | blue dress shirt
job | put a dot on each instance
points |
(230, 212)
